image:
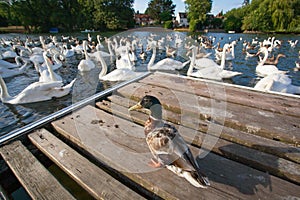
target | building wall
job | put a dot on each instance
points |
(182, 20)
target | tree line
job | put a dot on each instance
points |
(41, 15)
(265, 16)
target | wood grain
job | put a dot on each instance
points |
(244, 118)
(97, 182)
(34, 177)
(246, 155)
(266, 101)
(109, 142)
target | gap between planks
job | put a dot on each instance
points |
(123, 148)
(34, 177)
(252, 157)
(92, 178)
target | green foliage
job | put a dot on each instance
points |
(233, 19)
(114, 14)
(217, 23)
(4, 13)
(160, 10)
(41, 15)
(265, 15)
(197, 11)
(168, 24)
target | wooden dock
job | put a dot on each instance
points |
(247, 142)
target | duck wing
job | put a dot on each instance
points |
(170, 149)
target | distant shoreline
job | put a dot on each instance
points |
(21, 29)
(12, 29)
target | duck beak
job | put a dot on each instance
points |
(135, 107)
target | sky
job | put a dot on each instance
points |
(217, 5)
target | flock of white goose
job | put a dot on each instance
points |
(46, 57)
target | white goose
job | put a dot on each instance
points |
(99, 46)
(264, 70)
(212, 72)
(37, 58)
(293, 43)
(35, 92)
(124, 61)
(201, 53)
(18, 60)
(57, 57)
(46, 72)
(277, 82)
(165, 64)
(229, 55)
(9, 54)
(119, 74)
(67, 52)
(86, 64)
(8, 72)
(170, 51)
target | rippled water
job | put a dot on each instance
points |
(87, 84)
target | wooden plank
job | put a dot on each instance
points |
(35, 178)
(269, 102)
(251, 157)
(93, 179)
(266, 145)
(96, 132)
(123, 148)
(255, 121)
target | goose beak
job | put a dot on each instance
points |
(135, 107)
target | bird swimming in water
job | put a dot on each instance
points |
(167, 145)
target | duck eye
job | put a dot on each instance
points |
(146, 101)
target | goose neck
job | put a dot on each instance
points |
(191, 67)
(103, 64)
(4, 92)
(152, 59)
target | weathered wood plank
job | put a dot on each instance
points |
(266, 145)
(269, 102)
(252, 120)
(247, 156)
(93, 179)
(96, 132)
(35, 178)
(124, 148)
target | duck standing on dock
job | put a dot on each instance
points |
(167, 145)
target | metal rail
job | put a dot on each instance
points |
(30, 127)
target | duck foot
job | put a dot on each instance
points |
(154, 163)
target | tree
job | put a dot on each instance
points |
(272, 15)
(161, 10)
(197, 11)
(233, 19)
(87, 12)
(41, 15)
(4, 13)
(114, 14)
(266, 16)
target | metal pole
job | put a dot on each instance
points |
(30, 127)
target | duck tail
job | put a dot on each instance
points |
(196, 179)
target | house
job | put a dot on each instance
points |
(220, 15)
(182, 20)
(143, 19)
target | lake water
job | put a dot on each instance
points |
(87, 84)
